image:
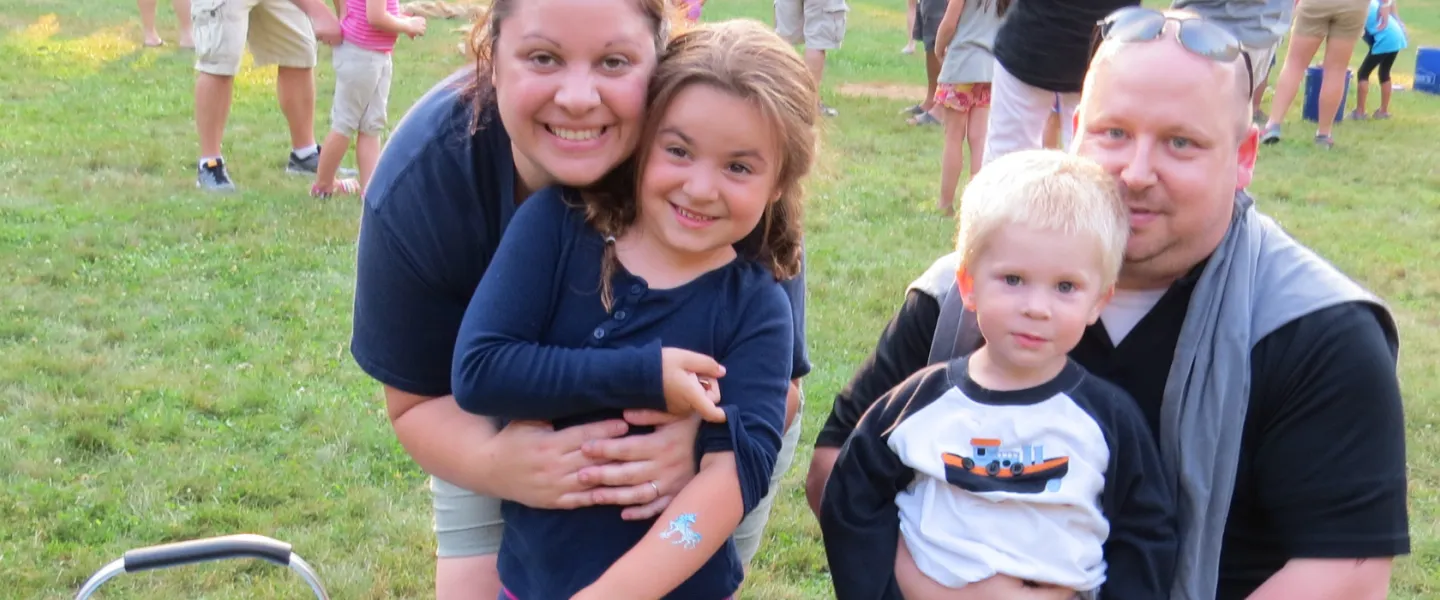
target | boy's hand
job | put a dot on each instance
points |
(682, 372)
(415, 26)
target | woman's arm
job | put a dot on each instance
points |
(526, 462)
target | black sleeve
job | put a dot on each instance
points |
(903, 349)
(1329, 465)
(859, 520)
(1143, 544)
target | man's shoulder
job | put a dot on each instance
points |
(1295, 282)
(938, 278)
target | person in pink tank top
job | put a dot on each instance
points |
(362, 88)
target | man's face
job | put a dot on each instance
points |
(1166, 123)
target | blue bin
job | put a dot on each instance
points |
(1427, 70)
(1313, 77)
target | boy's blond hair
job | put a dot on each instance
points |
(1048, 190)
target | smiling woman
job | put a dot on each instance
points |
(541, 340)
(551, 98)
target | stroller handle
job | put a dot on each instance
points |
(204, 550)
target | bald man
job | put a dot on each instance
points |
(1268, 377)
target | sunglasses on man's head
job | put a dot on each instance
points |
(1136, 24)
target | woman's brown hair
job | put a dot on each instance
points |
(744, 58)
(480, 46)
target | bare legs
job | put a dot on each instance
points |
(961, 129)
(147, 22)
(296, 90)
(1332, 88)
(1297, 58)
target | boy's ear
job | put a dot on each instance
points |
(966, 282)
(1100, 305)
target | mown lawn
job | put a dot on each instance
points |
(174, 365)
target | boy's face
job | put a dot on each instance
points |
(1033, 292)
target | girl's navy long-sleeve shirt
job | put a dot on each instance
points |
(537, 343)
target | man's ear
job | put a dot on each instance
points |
(966, 282)
(1249, 152)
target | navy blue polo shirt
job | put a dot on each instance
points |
(433, 217)
(538, 343)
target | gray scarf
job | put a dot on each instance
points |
(1258, 279)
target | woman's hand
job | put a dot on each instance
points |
(630, 465)
(531, 463)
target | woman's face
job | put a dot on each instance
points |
(570, 79)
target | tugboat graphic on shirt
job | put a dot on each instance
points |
(994, 468)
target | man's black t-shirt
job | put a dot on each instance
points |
(1322, 454)
(1046, 43)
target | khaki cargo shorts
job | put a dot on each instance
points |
(468, 524)
(1331, 19)
(362, 90)
(1262, 58)
(277, 32)
(819, 24)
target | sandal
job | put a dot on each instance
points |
(1380, 115)
(923, 120)
(913, 111)
(348, 187)
(1358, 115)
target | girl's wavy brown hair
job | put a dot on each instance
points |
(480, 46)
(744, 58)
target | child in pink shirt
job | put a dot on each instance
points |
(362, 88)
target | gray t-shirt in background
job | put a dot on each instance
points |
(1256, 23)
(970, 57)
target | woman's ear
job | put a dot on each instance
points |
(966, 282)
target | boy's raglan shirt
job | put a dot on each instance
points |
(1059, 484)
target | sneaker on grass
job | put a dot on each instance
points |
(211, 176)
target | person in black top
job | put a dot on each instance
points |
(1318, 509)
(1041, 51)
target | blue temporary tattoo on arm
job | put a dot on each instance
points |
(681, 526)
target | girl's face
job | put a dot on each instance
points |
(570, 79)
(711, 171)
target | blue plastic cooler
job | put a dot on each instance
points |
(1313, 77)
(1427, 70)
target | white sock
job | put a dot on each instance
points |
(306, 152)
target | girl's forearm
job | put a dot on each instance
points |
(694, 527)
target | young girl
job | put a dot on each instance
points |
(1385, 35)
(966, 43)
(684, 247)
(362, 88)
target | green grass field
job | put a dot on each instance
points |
(174, 365)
